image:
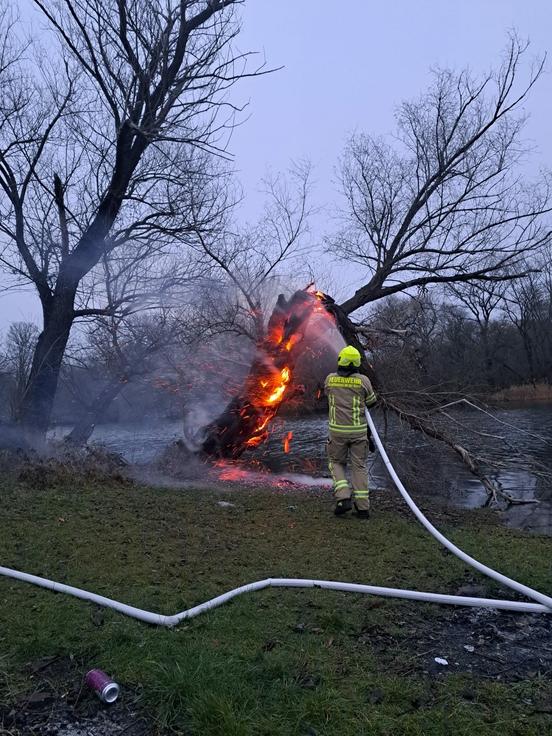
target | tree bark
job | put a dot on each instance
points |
(41, 387)
(366, 294)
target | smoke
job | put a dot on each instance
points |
(216, 374)
(306, 480)
(11, 438)
(201, 411)
(322, 335)
(188, 380)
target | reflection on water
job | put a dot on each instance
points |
(521, 442)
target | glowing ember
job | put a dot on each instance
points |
(293, 340)
(233, 474)
(263, 424)
(287, 440)
(256, 440)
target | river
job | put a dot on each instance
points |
(514, 444)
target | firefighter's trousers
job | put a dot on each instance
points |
(352, 451)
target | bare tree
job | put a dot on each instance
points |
(117, 351)
(482, 301)
(147, 297)
(528, 306)
(250, 261)
(105, 145)
(445, 204)
(19, 348)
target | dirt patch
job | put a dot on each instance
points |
(483, 642)
(61, 705)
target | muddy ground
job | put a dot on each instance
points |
(62, 705)
(482, 642)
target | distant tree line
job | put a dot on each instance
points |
(472, 341)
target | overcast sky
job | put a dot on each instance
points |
(346, 67)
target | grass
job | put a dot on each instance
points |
(277, 662)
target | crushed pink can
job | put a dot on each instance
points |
(106, 689)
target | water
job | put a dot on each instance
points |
(515, 449)
(137, 443)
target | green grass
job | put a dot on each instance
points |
(277, 662)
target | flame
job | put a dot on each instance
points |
(263, 424)
(266, 404)
(279, 390)
(276, 336)
(287, 440)
(292, 342)
(266, 395)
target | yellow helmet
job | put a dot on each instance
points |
(349, 356)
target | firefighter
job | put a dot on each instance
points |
(348, 392)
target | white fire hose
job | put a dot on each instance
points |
(543, 602)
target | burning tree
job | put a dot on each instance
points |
(244, 422)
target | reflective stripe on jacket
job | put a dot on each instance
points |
(347, 397)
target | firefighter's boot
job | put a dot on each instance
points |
(343, 506)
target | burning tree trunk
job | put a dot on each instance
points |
(244, 422)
